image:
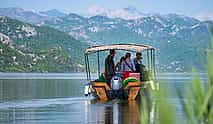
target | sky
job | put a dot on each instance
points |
(195, 8)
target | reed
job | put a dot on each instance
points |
(197, 101)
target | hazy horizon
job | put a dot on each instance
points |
(199, 9)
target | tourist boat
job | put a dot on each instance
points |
(132, 89)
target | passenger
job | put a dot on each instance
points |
(118, 65)
(109, 66)
(138, 63)
(128, 64)
(140, 68)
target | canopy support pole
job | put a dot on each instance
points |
(98, 64)
(148, 59)
(86, 66)
(154, 63)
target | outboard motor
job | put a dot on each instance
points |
(87, 89)
(116, 83)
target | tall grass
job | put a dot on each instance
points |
(164, 111)
(197, 101)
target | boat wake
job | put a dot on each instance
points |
(36, 103)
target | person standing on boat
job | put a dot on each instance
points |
(138, 62)
(140, 68)
(128, 64)
(109, 66)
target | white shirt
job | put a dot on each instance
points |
(127, 65)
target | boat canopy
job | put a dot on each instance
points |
(127, 47)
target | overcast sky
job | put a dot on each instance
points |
(195, 8)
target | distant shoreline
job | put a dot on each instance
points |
(82, 75)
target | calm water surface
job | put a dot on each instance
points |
(59, 98)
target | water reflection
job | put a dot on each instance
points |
(36, 101)
(19, 89)
(43, 101)
(114, 112)
(70, 110)
(134, 117)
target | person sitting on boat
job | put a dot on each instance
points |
(118, 65)
(109, 66)
(128, 64)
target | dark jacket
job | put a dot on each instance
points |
(137, 65)
(109, 66)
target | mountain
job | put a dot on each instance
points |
(30, 16)
(52, 13)
(22, 15)
(28, 48)
(125, 13)
(176, 37)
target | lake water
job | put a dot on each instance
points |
(59, 98)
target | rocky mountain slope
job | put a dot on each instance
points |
(28, 48)
(30, 16)
(177, 38)
(182, 42)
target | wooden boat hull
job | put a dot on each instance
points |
(102, 91)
